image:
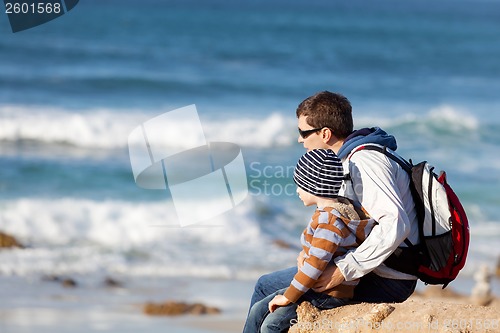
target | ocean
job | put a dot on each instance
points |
(72, 90)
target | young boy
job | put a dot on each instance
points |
(335, 227)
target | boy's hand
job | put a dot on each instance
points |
(330, 278)
(277, 301)
(301, 259)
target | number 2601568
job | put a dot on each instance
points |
(32, 8)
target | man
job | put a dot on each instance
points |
(378, 184)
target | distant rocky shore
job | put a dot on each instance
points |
(171, 308)
(167, 308)
(8, 241)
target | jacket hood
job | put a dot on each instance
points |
(367, 135)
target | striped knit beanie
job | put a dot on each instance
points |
(320, 173)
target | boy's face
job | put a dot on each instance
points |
(313, 140)
(307, 198)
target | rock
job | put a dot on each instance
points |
(281, 244)
(112, 283)
(481, 293)
(200, 309)
(344, 319)
(415, 315)
(378, 313)
(171, 308)
(306, 314)
(497, 270)
(372, 319)
(165, 309)
(7, 241)
(69, 283)
(64, 281)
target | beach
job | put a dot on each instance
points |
(96, 245)
(47, 306)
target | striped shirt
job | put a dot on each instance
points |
(328, 234)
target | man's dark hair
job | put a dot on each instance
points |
(327, 109)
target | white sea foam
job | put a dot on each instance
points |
(109, 128)
(483, 248)
(97, 128)
(114, 224)
(273, 130)
(86, 236)
(81, 236)
(453, 119)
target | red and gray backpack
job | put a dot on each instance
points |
(443, 225)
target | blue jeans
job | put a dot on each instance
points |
(371, 288)
(270, 283)
(261, 320)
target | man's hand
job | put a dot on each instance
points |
(301, 259)
(277, 301)
(330, 278)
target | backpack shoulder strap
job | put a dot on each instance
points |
(383, 149)
(405, 165)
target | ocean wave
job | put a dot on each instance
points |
(109, 128)
(97, 128)
(72, 235)
(114, 223)
(82, 236)
(442, 118)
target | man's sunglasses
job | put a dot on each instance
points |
(306, 133)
